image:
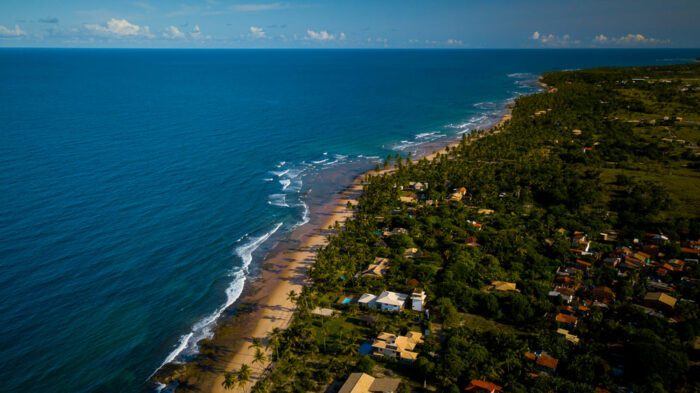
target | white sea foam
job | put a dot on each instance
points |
(268, 179)
(285, 183)
(522, 75)
(280, 173)
(320, 161)
(486, 105)
(281, 164)
(203, 328)
(279, 200)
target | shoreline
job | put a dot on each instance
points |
(263, 304)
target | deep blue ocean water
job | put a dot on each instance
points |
(137, 185)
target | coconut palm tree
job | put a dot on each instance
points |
(259, 357)
(292, 296)
(243, 375)
(230, 380)
(275, 340)
(256, 343)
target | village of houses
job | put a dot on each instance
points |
(575, 299)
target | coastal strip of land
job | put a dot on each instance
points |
(266, 304)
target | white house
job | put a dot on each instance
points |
(367, 300)
(391, 301)
(417, 299)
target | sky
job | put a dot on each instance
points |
(350, 24)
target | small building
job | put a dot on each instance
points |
(572, 338)
(323, 312)
(368, 300)
(547, 363)
(480, 386)
(418, 300)
(391, 301)
(410, 252)
(566, 294)
(388, 345)
(408, 198)
(502, 286)
(377, 269)
(660, 301)
(568, 321)
(364, 383)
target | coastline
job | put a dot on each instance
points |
(263, 305)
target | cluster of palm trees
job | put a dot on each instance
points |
(237, 378)
(241, 377)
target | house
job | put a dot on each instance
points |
(377, 268)
(547, 363)
(418, 300)
(660, 301)
(580, 241)
(323, 312)
(485, 212)
(566, 294)
(364, 383)
(391, 301)
(368, 300)
(502, 286)
(603, 295)
(479, 386)
(410, 252)
(543, 361)
(417, 186)
(572, 338)
(568, 321)
(408, 198)
(391, 346)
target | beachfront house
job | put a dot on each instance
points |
(391, 346)
(364, 383)
(391, 301)
(418, 300)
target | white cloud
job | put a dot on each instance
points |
(257, 32)
(258, 7)
(196, 33)
(173, 33)
(553, 40)
(628, 40)
(322, 35)
(16, 32)
(119, 28)
(342, 36)
(454, 42)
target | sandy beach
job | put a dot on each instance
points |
(264, 305)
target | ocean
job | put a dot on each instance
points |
(139, 188)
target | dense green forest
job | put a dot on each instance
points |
(605, 159)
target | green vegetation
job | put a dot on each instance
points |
(610, 151)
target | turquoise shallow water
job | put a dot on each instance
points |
(136, 186)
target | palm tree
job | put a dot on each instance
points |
(259, 356)
(256, 343)
(275, 340)
(230, 380)
(292, 296)
(243, 375)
